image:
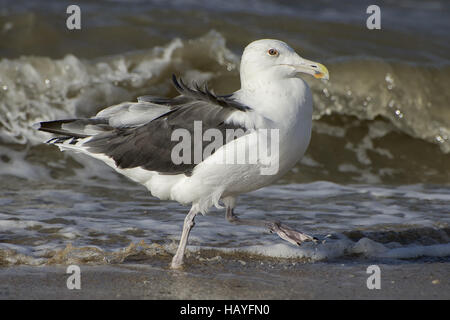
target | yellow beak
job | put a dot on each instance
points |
(317, 70)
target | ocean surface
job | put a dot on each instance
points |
(374, 184)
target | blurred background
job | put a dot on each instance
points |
(382, 121)
(384, 115)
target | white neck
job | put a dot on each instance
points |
(286, 102)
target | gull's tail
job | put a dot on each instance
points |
(73, 130)
(126, 114)
(78, 128)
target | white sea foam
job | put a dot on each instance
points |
(376, 224)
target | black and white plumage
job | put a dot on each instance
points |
(146, 141)
(136, 138)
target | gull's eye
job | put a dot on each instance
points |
(273, 52)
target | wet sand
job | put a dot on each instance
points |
(229, 279)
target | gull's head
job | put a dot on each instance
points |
(275, 60)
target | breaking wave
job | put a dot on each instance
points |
(385, 116)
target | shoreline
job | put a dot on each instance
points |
(229, 279)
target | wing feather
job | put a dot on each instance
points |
(139, 134)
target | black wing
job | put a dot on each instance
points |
(150, 146)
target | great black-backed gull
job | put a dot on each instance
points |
(186, 148)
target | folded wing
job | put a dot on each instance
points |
(140, 134)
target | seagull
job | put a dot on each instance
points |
(161, 142)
